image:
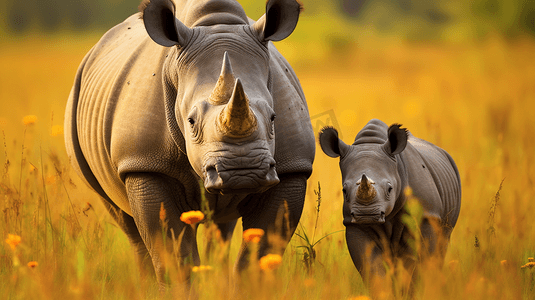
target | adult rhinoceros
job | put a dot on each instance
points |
(376, 169)
(183, 96)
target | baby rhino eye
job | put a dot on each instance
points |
(389, 188)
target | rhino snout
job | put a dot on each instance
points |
(368, 216)
(243, 175)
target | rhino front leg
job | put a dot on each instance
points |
(268, 212)
(367, 255)
(146, 193)
(128, 226)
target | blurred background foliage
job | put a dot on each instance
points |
(457, 73)
(333, 21)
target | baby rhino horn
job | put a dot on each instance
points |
(366, 191)
(225, 84)
(237, 119)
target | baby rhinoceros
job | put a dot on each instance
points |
(376, 169)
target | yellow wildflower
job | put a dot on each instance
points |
(29, 119)
(56, 130)
(201, 268)
(192, 217)
(270, 262)
(529, 265)
(531, 259)
(13, 240)
(253, 235)
(32, 264)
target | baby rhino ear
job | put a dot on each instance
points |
(397, 139)
(331, 144)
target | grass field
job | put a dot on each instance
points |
(474, 100)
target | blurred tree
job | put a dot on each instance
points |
(18, 16)
(352, 8)
(409, 19)
(527, 16)
(82, 13)
(49, 14)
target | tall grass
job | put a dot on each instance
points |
(475, 101)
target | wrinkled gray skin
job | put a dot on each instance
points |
(142, 122)
(389, 159)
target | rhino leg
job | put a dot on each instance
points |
(366, 253)
(227, 229)
(127, 224)
(268, 212)
(146, 193)
(436, 238)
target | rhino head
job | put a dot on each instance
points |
(217, 79)
(370, 172)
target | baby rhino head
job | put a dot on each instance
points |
(370, 177)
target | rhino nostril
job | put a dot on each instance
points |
(211, 174)
(210, 169)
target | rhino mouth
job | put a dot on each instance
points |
(373, 215)
(242, 176)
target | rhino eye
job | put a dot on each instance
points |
(191, 121)
(273, 116)
(389, 188)
(344, 191)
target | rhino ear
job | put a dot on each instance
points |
(161, 24)
(279, 21)
(397, 139)
(331, 144)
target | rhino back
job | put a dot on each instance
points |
(120, 118)
(294, 137)
(435, 164)
(209, 12)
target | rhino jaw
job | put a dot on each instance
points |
(249, 176)
(373, 215)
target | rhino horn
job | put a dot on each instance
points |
(225, 84)
(366, 191)
(237, 119)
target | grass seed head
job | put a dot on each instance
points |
(163, 213)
